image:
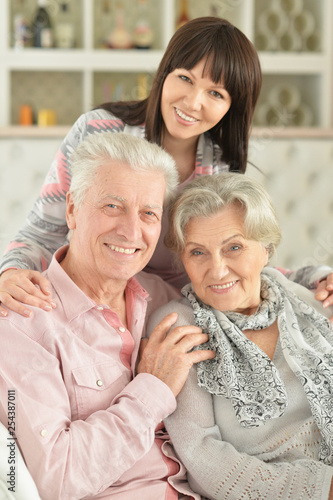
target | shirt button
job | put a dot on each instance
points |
(43, 433)
(99, 383)
(100, 308)
(122, 329)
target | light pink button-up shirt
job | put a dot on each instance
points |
(85, 425)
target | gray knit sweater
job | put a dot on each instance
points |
(277, 460)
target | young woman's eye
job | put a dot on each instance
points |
(185, 78)
(214, 93)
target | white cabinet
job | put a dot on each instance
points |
(297, 65)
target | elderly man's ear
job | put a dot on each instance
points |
(70, 212)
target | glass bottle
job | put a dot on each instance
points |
(22, 34)
(143, 33)
(64, 29)
(184, 16)
(42, 27)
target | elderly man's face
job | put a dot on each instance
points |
(117, 226)
(224, 267)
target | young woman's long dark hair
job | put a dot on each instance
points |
(230, 58)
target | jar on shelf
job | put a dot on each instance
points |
(143, 35)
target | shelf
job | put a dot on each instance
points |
(96, 74)
(263, 133)
(81, 60)
(293, 63)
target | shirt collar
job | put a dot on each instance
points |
(73, 300)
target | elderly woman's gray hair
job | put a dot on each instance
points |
(208, 195)
(139, 154)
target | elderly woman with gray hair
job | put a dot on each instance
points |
(257, 420)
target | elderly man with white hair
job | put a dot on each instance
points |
(85, 413)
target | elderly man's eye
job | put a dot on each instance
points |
(150, 216)
(110, 209)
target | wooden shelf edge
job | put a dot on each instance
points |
(31, 132)
(292, 132)
(16, 131)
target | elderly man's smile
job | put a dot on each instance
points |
(127, 251)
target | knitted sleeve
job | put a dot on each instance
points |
(45, 229)
(308, 276)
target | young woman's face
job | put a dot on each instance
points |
(192, 103)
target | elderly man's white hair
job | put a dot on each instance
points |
(139, 154)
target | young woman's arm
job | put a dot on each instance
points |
(45, 229)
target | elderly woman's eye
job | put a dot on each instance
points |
(233, 248)
(196, 252)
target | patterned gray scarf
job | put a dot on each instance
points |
(243, 373)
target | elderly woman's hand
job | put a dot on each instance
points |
(324, 292)
(18, 289)
(169, 356)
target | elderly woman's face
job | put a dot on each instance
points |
(224, 266)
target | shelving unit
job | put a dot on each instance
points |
(78, 79)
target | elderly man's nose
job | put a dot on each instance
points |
(130, 227)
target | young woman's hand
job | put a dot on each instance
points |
(20, 288)
(324, 292)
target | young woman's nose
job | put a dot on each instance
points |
(193, 99)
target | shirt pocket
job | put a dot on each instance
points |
(95, 386)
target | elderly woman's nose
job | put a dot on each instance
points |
(218, 267)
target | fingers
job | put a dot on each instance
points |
(324, 292)
(13, 305)
(40, 280)
(18, 289)
(329, 282)
(201, 355)
(160, 331)
(168, 354)
(186, 336)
